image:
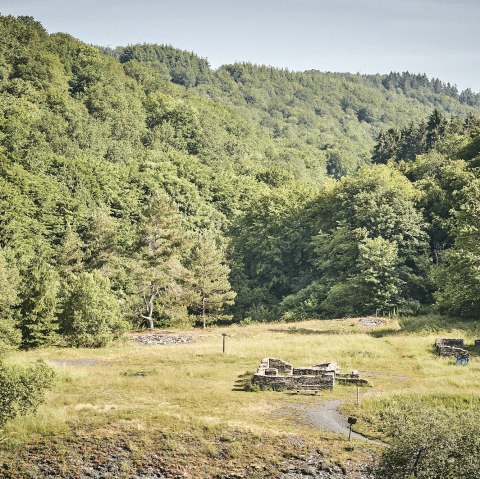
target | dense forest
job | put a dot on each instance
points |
(140, 187)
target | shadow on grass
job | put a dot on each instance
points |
(430, 324)
(383, 332)
(318, 332)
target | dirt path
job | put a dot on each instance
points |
(326, 416)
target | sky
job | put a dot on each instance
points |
(438, 37)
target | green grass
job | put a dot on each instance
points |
(192, 387)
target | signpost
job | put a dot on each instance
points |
(223, 346)
(351, 421)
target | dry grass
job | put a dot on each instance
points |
(192, 386)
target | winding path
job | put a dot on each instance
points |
(326, 416)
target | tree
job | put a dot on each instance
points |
(161, 274)
(386, 146)
(9, 285)
(70, 255)
(371, 249)
(91, 314)
(99, 239)
(436, 127)
(458, 280)
(38, 321)
(269, 250)
(378, 282)
(212, 290)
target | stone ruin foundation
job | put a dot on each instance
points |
(451, 347)
(278, 375)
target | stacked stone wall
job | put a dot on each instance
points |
(278, 375)
(450, 347)
(280, 383)
(281, 366)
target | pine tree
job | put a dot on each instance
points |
(9, 284)
(386, 146)
(212, 290)
(70, 254)
(162, 276)
(436, 126)
(39, 307)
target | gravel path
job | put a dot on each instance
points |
(326, 416)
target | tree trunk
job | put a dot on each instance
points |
(149, 305)
(203, 313)
(150, 323)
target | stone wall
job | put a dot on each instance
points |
(281, 366)
(450, 347)
(456, 343)
(273, 373)
(310, 371)
(281, 383)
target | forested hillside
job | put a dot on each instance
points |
(139, 187)
(319, 121)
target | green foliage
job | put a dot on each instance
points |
(38, 311)
(370, 254)
(9, 285)
(113, 160)
(91, 314)
(162, 278)
(458, 279)
(269, 250)
(430, 444)
(23, 389)
(211, 288)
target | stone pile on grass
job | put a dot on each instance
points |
(156, 339)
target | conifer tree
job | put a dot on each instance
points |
(70, 254)
(39, 308)
(9, 283)
(212, 290)
(162, 276)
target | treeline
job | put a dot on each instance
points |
(400, 236)
(116, 190)
(128, 200)
(320, 122)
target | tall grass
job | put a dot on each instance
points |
(193, 385)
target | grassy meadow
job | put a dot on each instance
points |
(187, 394)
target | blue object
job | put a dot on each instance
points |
(462, 360)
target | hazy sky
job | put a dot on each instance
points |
(438, 37)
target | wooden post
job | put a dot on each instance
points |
(223, 345)
(358, 396)
(351, 421)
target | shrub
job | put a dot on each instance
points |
(91, 316)
(22, 389)
(433, 444)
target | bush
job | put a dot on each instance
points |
(433, 444)
(22, 390)
(91, 316)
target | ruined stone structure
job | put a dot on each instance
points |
(451, 347)
(279, 375)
